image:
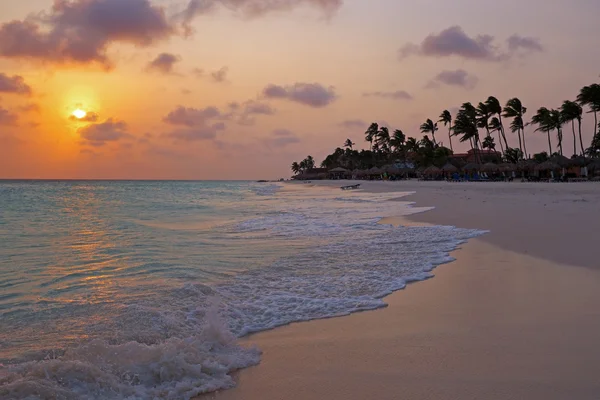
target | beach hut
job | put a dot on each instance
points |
(490, 168)
(472, 167)
(562, 161)
(507, 167)
(338, 173)
(432, 171)
(449, 169)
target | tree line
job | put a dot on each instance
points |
(488, 116)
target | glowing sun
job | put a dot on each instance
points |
(79, 113)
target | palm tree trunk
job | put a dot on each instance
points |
(595, 127)
(524, 145)
(502, 129)
(580, 138)
(574, 138)
(500, 141)
(450, 138)
(559, 134)
(433, 136)
(549, 143)
(520, 143)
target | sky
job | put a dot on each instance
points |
(238, 89)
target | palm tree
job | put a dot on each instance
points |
(496, 126)
(295, 168)
(397, 140)
(495, 108)
(556, 122)
(446, 118)
(514, 109)
(348, 144)
(309, 162)
(590, 96)
(383, 139)
(465, 124)
(488, 143)
(543, 120)
(571, 111)
(483, 117)
(371, 133)
(430, 127)
(412, 145)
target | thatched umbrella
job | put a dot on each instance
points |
(547, 166)
(594, 166)
(433, 170)
(375, 171)
(526, 165)
(562, 161)
(449, 168)
(339, 170)
(507, 167)
(490, 167)
(579, 161)
(472, 167)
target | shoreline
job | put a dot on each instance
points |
(497, 323)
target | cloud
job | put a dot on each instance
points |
(353, 123)
(186, 92)
(89, 117)
(8, 118)
(526, 44)
(198, 72)
(455, 42)
(310, 94)
(282, 138)
(251, 8)
(220, 76)
(30, 107)
(163, 63)
(81, 31)
(458, 77)
(397, 95)
(110, 130)
(192, 117)
(198, 124)
(15, 84)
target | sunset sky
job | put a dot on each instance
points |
(238, 89)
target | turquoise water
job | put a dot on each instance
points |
(140, 289)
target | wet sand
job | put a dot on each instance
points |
(516, 316)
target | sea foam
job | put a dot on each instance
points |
(333, 258)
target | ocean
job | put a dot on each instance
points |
(140, 290)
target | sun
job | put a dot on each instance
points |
(79, 113)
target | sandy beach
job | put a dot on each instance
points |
(516, 316)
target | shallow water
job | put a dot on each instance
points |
(140, 289)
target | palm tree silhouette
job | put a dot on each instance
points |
(371, 133)
(571, 111)
(514, 109)
(590, 96)
(446, 119)
(495, 108)
(556, 122)
(295, 168)
(430, 127)
(348, 143)
(495, 126)
(465, 124)
(544, 122)
(383, 139)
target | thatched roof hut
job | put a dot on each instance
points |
(339, 170)
(594, 166)
(579, 161)
(490, 167)
(433, 170)
(507, 167)
(547, 166)
(562, 161)
(526, 165)
(471, 167)
(449, 168)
